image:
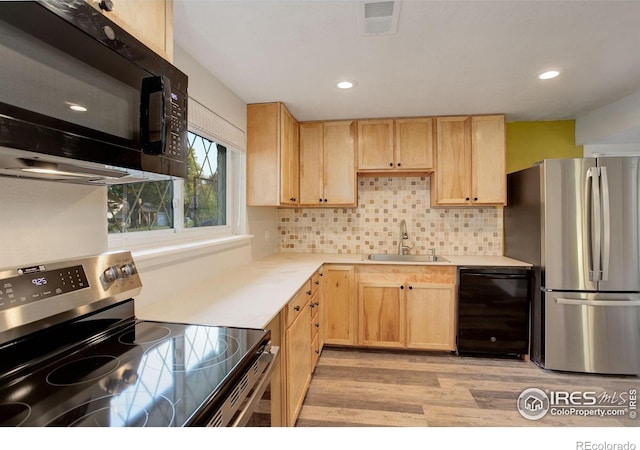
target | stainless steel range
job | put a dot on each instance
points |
(72, 353)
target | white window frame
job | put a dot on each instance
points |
(179, 238)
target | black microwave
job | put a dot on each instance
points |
(81, 99)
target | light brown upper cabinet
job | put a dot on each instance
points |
(470, 161)
(327, 164)
(272, 155)
(414, 144)
(149, 21)
(375, 145)
(400, 145)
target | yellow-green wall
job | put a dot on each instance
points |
(529, 142)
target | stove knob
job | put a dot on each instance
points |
(128, 270)
(111, 274)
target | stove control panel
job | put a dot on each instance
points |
(36, 283)
(35, 294)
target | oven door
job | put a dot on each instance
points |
(249, 403)
(67, 94)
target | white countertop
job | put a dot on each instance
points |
(251, 296)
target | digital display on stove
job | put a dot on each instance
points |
(35, 286)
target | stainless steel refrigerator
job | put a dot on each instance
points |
(578, 222)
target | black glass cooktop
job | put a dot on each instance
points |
(141, 373)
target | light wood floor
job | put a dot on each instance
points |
(356, 387)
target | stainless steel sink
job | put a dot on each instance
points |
(407, 258)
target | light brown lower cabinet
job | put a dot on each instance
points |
(407, 307)
(390, 306)
(431, 316)
(297, 361)
(381, 314)
(339, 304)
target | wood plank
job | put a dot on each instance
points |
(364, 387)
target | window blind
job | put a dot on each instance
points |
(206, 123)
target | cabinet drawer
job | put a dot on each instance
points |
(315, 281)
(297, 304)
(315, 351)
(315, 320)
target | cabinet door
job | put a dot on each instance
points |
(339, 305)
(431, 316)
(381, 314)
(263, 146)
(298, 363)
(311, 163)
(289, 158)
(488, 175)
(339, 163)
(453, 161)
(375, 145)
(414, 144)
(149, 21)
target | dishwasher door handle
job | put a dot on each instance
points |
(500, 276)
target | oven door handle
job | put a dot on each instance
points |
(245, 414)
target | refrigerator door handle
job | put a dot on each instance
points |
(606, 224)
(591, 212)
(578, 302)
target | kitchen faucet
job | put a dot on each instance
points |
(402, 248)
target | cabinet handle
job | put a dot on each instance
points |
(467, 199)
(317, 325)
(475, 199)
(308, 292)
(296, 308)
(106, 5)
(410, 287)
(320, 200)
(401, 287)
(317, 352)
(316, 282)
(398, 164)
(293, 199)
(312, 305)
(317, 303)
(325, 200)
(321, 274)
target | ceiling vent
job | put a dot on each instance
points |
(378, 17)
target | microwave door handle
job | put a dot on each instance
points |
(606, 223)
(150, 86)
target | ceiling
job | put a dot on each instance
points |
(446, 58)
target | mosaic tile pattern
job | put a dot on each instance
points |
(374, 226)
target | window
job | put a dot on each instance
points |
(147, 206)
(208, 204)
(205, 188)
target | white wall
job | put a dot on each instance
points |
(43, 221)
(614, 124)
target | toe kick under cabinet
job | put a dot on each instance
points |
(411, 307)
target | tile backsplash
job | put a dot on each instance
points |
(374, 226)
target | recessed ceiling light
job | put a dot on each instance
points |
(346, 84)
(548, 75)
(76, 107)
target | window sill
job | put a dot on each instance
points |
(152, 257)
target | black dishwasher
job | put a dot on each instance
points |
(493, 310)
